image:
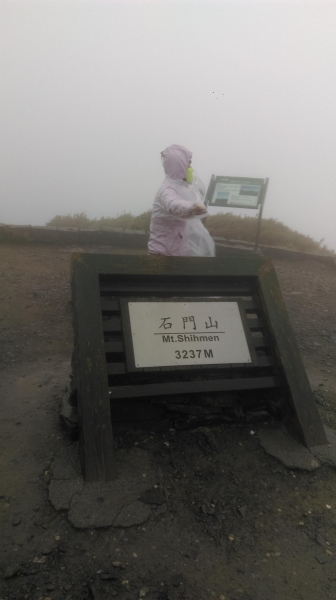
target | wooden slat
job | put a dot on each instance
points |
(178, 287)
(136, 266)
(265, 361)
(107, 304)
(260, 342)
(117, 346)
(112, 325)
(116, 368)
(188, 387)
(250, 306)
(256, 323)
(262, 361)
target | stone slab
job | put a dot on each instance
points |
(62, 490)
(135, 513)
(327, 454)
(115, 503)
(281, 445)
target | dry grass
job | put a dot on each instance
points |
(228, 226)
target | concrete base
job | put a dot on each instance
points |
(327, 454)
(278, 443)
(93, 505)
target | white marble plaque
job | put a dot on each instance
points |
(187, 333)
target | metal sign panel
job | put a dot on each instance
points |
(187, 333)
(235, 192)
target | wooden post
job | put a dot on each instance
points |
(302, 419)
(96, 438)
(256, 245)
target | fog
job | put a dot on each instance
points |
(92, 91)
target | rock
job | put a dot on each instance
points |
(16, 521)
(321, 559)
(93, 591)
(257, 416)
(40, 561)
(225, 400)
(107, 576)
(191, 422)
(50, 587)
(61, 492)
(11, 571)
(48, 549)
(176, 580)
(320, 540)
(203, 442)
(159, 509)
(208, 509)
(116, 502)
(327, 453)
(287, 450)
(153, 496)
(143, 592)
(132, 514)
(242, 510)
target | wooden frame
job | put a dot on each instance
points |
(164, 275)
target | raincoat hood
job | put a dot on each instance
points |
(176, 159)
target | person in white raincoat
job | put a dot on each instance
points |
(176, 228)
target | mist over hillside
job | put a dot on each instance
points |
(228, 226)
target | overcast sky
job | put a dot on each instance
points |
(92, 91)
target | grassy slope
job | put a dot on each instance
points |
(229, 226)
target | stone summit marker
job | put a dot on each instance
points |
(155, 326)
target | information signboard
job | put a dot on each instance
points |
(238, 192)
(187, 333)
(235, 192)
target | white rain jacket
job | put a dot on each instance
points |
(174, 229)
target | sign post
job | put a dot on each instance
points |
(238, 192)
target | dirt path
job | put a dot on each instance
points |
(234, 522)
